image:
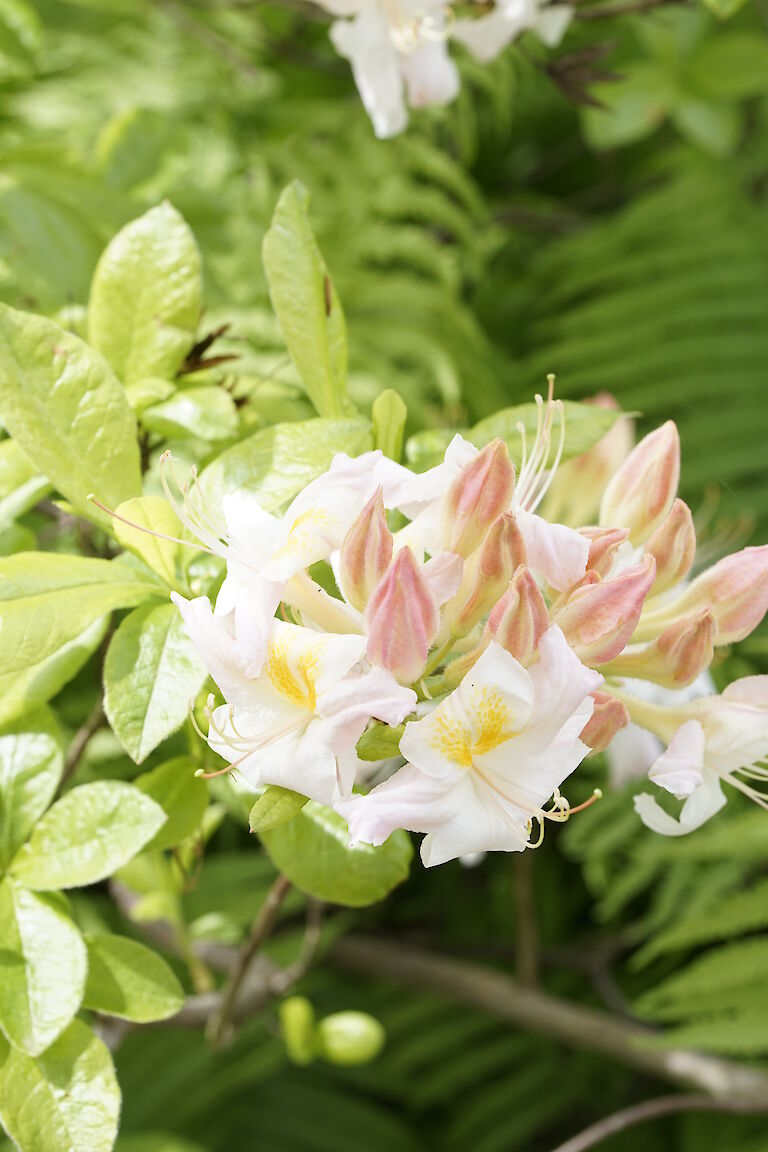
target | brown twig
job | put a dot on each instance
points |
(574, 1024)
(526, 928)
(94, 721)
(610, 11)
(651, 1110)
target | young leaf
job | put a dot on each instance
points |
(62, 404)
(180, 794)
(306, 303)
(75, 1093)
(389, 415)
(151, 672)
(31, 763)
(146, 296)
(380, 742)
(47, 599)
(87, 835)
(44, 965)
(274, 807)
(20, 692)
(314, 852)
(157, 515)
(127, 979)
(206, 412)
(276, 463)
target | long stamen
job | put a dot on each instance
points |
(558, 405)
(197, 547)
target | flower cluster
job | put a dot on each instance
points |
(398, 49)
(491, 646)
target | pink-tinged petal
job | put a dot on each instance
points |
(402, 619)
(604, 545)
(680, 768)
(520, 618)
(352, 702)
(560, 682)
(416, 490)
(673, 545)
(701, 806)
(641, 493)
(608, 717)
(735, 590)
(442, 573)
(487, 576)
(600, 619)
(480, 493)
(366, 553)
(556, 553)
(749, 690)
(431, 77)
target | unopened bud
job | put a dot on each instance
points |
(350, 1038)
(366, 553)
(673, 545)
(735, 591)
(488, 573)
(480, 493)
(604, 543)
(641, 493)
(520, 618)
(577, 488)
(598, 619)
(608, 716)
(402, 619)
(676, 658)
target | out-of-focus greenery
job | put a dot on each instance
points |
(624, 247)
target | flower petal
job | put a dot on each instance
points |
(679, 769)
(556, 553)
(708, 799)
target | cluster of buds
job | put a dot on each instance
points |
(502, 646)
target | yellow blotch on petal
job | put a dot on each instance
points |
(296, 683)
(490, 724)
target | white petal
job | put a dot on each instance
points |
(487, 36)
(551, 23)
(347, 707)
(214, 639)
(560, 682)
(698, 808)
(679, 769)
(409, 799)
(749, 690)
(311, 659)
(443, 575)
(431, 77)
(254, 605)
(555, 552)
(367, 44)
(630, 754)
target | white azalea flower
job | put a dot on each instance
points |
(709, 741)
(485, 761)
(298, 722)
(399, 56)
(489, 35)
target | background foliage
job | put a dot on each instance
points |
(624, 247)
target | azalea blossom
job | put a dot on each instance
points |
(297, 723)
(483, 764)
(487, 36)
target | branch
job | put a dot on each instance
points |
(79, 741)
(610, 11)
(573, 1024)
(651, 1110)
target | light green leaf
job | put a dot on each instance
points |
(157, 515)
(20, 692)
(48, 599)
(314, 852)
(151, 672)
(708, 124)
(127, 979)
(274, 807)
(633, 107)
(147, 391)
(731, 66)
(66, 1100)
(181, 795)
(31, 764)
(19, 38)
(206, 412)
(64, 407)
(43, 963)
(389, 415)
(21, 486)
(87, 835)
(306, 303)
(146, 296)
(380, 742)
(724, 9)
(276, 463)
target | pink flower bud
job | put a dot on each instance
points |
(598, 619)
(366, 552)
(608, 716)
(641, 493)
(520, 618)
(675, 658)
(673, 545)
(735, 590)
(402, 619)
(489, 571)
(481, 492)
(577, 488)
(604, 543)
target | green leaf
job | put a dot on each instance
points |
(155, 514)
(731, 66)
(146, 296)
(43, 963)
(206, 412)
(633, 107)
(276, 463)
(66, 1100)
(274, 807)
(151, 672)
(147, 391)
(87, 835)
(314, 852)
(708, 124)
(724, 9)
(31, 764)
(389, 415)
(306, 303)
(63, 405)
(182, 796)
(20, 692)
(47, 600)
(21, 486)
(380, 742)
(128, 980)
(19, 38)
